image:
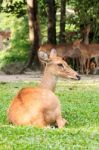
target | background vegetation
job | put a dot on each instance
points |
(14, 16)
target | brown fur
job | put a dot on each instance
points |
(92, 67)
(86, 53)
(34, 106)
(63, 50)
(40, 106)
(4, 35)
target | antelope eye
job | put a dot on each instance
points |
(60, 65)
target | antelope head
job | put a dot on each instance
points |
(57, 66)
(76, 44)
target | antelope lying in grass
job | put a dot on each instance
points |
(39, 106)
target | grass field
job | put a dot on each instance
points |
(80, 106)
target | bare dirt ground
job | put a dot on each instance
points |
(36, 76)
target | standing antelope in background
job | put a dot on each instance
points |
(63, 50)
(39, 106)
(86, 53)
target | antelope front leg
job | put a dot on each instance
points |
(61, 122)
(81, 65)
(87, 66)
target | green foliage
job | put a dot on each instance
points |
(86, 12)
(42, 9)
(80, 102)
(17, 7)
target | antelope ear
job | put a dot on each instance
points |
(43, 57)
(80, 40)
(53, 53)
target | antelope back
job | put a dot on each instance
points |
(63, 50)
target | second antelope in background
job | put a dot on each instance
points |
(86, 53)
(64, 51)
(39, 106)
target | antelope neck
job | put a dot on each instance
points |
(48, 81)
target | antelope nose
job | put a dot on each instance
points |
(78, 77)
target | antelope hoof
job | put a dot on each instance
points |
(62, 123)
(65, 122)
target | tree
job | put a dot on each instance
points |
(88, 13)
(17, 7)
(62, 21)
(51, 8)
(1, 1)
(33, 31)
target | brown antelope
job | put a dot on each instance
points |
(86, 53)
(4, 35)
(63, 50)
(46, 47)
(39, 106)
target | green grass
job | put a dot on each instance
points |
(80, 106)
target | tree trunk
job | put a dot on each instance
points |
(51, 21)
(62, 21)
(33, 32)
(86, 34)
(1, 1)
